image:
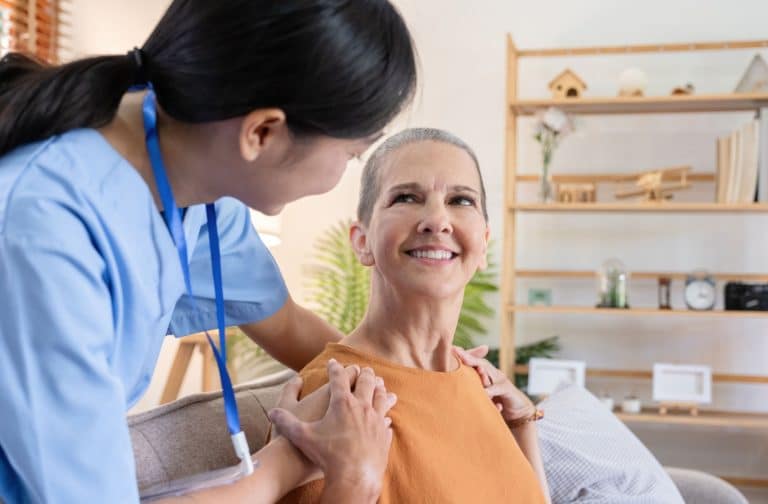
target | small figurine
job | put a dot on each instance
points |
(567, 85)
(755, 79)
(688, 89)
(631, 404)
(664, 293)
(576, 193)
(652, 186)
(632, 82)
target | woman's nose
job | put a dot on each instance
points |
(435, 219)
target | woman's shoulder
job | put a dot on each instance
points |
(315, 373)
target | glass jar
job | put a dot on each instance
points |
(613, 285)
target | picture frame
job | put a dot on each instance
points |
(539, 297)
(674, 383)
(546, 375)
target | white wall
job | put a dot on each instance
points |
(112, 26)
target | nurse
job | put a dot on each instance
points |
(117, 211)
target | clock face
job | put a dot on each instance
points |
(700, 295)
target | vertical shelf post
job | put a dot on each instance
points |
(507, 343)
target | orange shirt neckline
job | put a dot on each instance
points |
(381, 361)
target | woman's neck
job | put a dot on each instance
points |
(420, 335)
(185, 151)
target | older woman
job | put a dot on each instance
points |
(462, 432)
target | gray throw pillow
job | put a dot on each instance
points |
(590, 456)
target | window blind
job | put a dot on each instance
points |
(35, 27)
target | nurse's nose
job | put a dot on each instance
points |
(435, 218)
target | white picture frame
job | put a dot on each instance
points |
(546, 375)
(675, 383)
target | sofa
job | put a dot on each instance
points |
(189, 436)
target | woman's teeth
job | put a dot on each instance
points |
(431, 254)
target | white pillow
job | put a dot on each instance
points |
(590, 456)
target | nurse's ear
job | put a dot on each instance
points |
(358, 237)
(258, 129)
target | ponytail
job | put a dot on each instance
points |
(37, 101)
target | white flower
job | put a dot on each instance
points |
(556, 120)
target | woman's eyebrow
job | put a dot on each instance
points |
(463, 188)
(413, 186)
(409, 186)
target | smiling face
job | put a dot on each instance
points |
(427, 234)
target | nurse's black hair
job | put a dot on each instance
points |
(341, 68)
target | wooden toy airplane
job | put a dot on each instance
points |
(651, 184)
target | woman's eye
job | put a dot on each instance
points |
(463, 201)
(404, 198)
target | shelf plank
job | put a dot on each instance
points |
(745, 482)
(643, 48)
(705, 419)
(642, 207)
(643, 374)
(644, 275)
(619, 312)
(580, 178)
(645, 104)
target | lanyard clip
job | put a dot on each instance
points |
(243, 453)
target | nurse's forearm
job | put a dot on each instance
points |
(281, 469)
(293, 335)
(528, 441)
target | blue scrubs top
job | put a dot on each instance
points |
(90, 283)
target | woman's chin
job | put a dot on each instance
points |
(431, 290)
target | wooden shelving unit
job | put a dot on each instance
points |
(517, 107)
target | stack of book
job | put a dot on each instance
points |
(738, 166)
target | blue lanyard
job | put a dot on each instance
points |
(172, 216)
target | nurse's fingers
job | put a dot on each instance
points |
(479, 351)
(289, 396)
(339, 379)
(365, 385)
(383, 401)
(352, 373)
(288, 425)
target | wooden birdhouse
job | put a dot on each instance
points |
(567, 85)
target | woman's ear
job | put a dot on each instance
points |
(486, 238)
(259, 129)
(359, 239)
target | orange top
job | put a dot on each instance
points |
(450, 444)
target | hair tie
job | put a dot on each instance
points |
(137, 55)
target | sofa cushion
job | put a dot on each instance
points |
(701, 488)
(590, 456)
(190, 436)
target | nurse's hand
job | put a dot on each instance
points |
(350, 442)
(313, 406)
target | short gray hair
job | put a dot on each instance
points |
(370, 183)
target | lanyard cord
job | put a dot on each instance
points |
(172, 217)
